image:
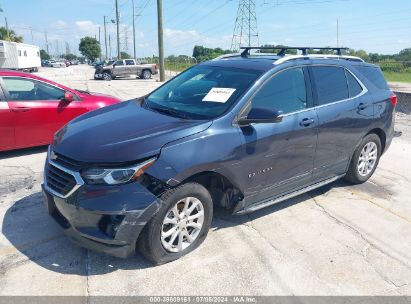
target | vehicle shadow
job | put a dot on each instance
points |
(23, 152)
(32, 232)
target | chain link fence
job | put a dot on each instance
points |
(404, 103)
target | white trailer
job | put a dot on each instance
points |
(19, 56)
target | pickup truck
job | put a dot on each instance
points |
(125, 68)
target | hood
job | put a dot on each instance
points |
(122, 132)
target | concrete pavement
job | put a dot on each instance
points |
(337, 240)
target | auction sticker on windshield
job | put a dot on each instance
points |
(219, 95)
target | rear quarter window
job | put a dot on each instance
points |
(353, 86)
(374, 75)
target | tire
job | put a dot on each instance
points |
(146, 74)
(107, 76)
(369, 151)
(152, 243)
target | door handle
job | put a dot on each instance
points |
(306, 122)
(20, 109)
(362, 106)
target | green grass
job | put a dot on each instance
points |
(178, 66)
(398, 77)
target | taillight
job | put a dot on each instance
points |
(394, 100)
(155, 66)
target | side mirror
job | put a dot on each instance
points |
(68, 97)
(261, 115)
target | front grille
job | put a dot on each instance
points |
(59, 181)
(67, 162)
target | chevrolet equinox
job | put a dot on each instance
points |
(243, 131)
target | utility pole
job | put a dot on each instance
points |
(118, 31)
(31, 33)
(47, 42)
(134, 31)
(105, 35)
(126, 39)
(338, 33)
(7, 28)
(109, 43)
(160, 39)
(99, 39)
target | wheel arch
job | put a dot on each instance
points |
(223, 192)
(381, 134)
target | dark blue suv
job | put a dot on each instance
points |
(243, 132)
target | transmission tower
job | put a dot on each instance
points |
(245, 29)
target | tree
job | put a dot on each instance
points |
(405, 55)
(125, 55)
(90, 48)
(44, 55)
(359, 53)
(202, 53)
(9, 35)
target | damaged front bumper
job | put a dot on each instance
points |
(103, 218)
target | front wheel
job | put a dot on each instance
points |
(365, 160)
(180, 226)
(107, 76)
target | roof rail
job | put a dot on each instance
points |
(317, 56)
(283, 49)
(227, 56)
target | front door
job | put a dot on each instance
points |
(38, 110)
(278, 157)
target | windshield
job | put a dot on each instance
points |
(202, 92)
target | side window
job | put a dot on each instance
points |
(129, 62)
(119, 62)
(25, 53)
(374, 75)
(353, 86)
(331, 84)
(21, 89)
(19, 52)
(286, 92)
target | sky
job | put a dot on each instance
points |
(378, 26)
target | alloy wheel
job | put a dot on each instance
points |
(182, 224)
(367, 159)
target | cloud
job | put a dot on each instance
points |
(86, 27)
(182, 42)
(60, 24)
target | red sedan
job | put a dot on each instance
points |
(32, 108)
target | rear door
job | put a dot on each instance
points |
(342, 112)
(278, 157)
(38, 110)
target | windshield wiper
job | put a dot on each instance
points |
(169, 112)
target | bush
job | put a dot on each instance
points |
(392, 66)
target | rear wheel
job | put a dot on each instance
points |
(146, 74)
(365, 160)
(180, 226)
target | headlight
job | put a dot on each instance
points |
(115, 176)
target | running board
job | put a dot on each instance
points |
(264, 204)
